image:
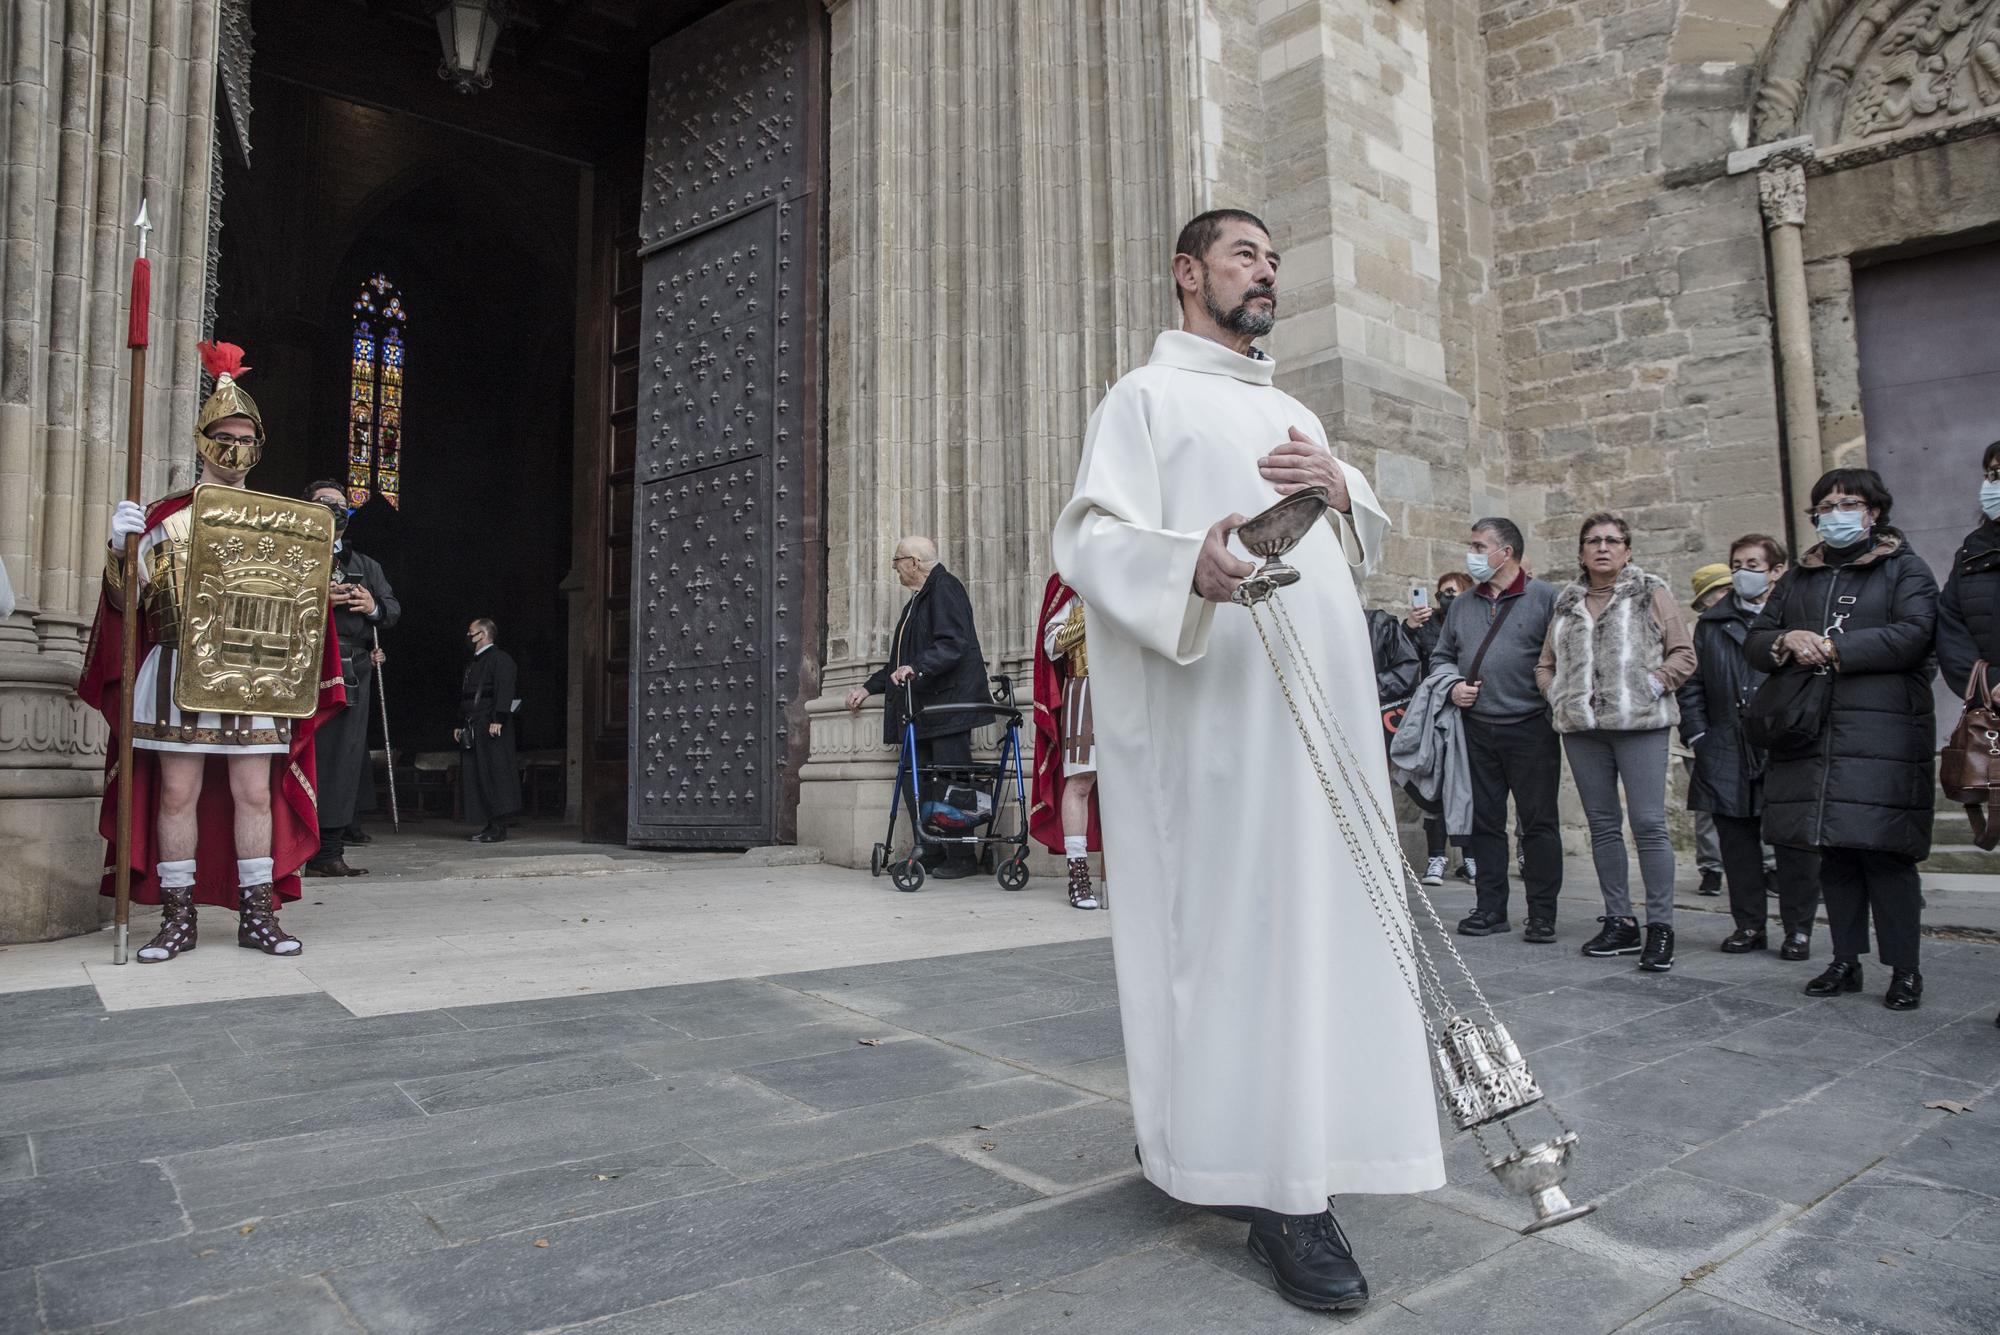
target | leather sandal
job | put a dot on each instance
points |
(177, 926)
(257, 923)
(1080, 893)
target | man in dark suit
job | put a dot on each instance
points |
(489, 782)
(363, 603)
(936, 650)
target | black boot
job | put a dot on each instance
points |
(1310, 1260)
(1711, 883)
(1619, 937)
(1906, 990)
(1744, 940)
(1840, 976)
(1659, 953)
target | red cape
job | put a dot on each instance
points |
(294, 812)
(1045, 798)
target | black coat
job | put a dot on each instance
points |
(1728, 767)
(1969, 612)
(1871, 783)
(935, 636)
(1396, 660)
(489, 780)
(341, 743)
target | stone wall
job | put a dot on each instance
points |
(108, 101)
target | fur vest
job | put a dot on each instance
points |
(1602, 664)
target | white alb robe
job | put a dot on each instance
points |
(1274, 1052)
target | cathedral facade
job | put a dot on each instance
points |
(787, 280)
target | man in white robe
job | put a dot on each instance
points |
(1275, 1055)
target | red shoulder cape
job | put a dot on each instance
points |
(294, 813)
(1045, 798)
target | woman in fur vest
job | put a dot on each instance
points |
(1617, 650)
(1862, 605)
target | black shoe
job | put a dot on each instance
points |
(1310, 1260)
(354, 834)
(1484, 922)
(1906, 990)
(1539, 932)
(1659, 955)
(492, 834)
(955, 869)
(1743, 940)
(1711, 883)
(1798, 946)
(1840, 976)
(1619, 937)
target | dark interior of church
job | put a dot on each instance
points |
(494, 215)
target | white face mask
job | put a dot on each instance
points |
(1750, 584)
(1989, 499)
(1478, 566)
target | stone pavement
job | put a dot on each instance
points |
(936, 1142)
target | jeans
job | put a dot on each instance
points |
(1599, 761)
(1858, 882)
(1435, 839)
(1743, 866)
(1523, 761)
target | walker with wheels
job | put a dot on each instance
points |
(997, 793)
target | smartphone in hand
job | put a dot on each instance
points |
(1419, 596)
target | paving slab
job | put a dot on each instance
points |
(855, 1293)
(1800, 1153)
(295, 1306)
(1060, 1040)
(509, 1202)
(1520, 1290)
(17, 1159)
(863, 1073)
(1062, 1149)
(49, 1218)
(529, 1080)
(20, 1307)
(1691, 1313)
(94, 1096)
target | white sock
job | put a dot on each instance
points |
(1076, 846)
(253, 871)
(176, 875)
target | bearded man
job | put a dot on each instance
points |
(1275, 1055)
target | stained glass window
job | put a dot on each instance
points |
(375, 397)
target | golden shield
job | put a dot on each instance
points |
(254, 621)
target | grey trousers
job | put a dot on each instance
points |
(1598, 762)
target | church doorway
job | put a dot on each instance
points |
(504, 228)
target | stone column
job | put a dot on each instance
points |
(1781, 191)
(109, 100)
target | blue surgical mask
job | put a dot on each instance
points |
(1478, 566)
(1750, 584)
(1842, 528)
(1989, 499)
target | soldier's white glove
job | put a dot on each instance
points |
(127, 518)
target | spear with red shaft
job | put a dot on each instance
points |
(135, 435)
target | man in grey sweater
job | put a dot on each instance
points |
(1494, 636)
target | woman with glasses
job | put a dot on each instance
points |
(1968, 629)
(1862, 607)
(1616, 651)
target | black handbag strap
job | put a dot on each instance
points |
(1500, 615)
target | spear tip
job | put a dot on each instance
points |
(143, 222)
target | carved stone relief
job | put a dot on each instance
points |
(1895, 67)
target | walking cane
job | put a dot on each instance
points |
(388, 751)
(135, 339)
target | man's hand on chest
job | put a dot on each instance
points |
(1301, 462)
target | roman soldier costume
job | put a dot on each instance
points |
(1065, 739)
(252, 633)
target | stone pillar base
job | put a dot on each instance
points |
(55, 858)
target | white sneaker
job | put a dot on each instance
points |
(1468, 871)
(1434, 872)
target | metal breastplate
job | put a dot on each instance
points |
(1070, 641)
(166, 578)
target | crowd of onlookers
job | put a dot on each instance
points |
(1797, 693)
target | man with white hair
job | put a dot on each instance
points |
(936, 650)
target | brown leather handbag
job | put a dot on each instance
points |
(1970, 767)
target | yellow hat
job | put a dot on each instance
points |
(224, 361)
(1708, 579)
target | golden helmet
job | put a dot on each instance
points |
(224, 361)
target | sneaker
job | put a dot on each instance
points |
(1539, 932)
(1659, 954)
(1468, 871)
(1481, 922)
(1433, 872)
(1619, 937)
(1711, 883)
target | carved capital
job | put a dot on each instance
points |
(1781, 191)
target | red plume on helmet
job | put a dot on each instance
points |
(222, 359)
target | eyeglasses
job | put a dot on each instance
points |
(1604, 540)
(234, 441)
(899, 560)
(1993, 475)
(1846, 507)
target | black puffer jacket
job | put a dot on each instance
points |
(1969, 612)
(1728, 768)
(1871, 782)
(935, 636)
(1396, 659)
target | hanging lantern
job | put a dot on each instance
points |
(468, 31)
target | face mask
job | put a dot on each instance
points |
(1842, 528)
(1750, 584)
(1444, 599)
(1478, 566)
(1989, 499)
